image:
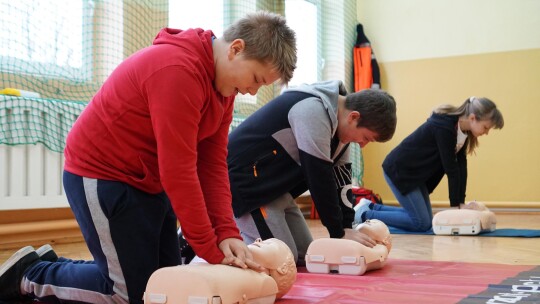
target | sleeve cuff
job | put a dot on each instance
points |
(336, 232)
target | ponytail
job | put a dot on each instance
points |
(482, 108)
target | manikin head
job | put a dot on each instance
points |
(474, 205)
(378, 231)
(277, 258)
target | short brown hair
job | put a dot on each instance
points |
(267, 39)
(378, 112)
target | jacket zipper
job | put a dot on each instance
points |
(274, 152)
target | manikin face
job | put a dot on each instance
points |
(236, 74)
(349, 132)
(268, 248)
(378, 231)
(271, 253)
(374, 228)
(479, 127)
(277, 258)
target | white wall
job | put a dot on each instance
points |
(419, 29)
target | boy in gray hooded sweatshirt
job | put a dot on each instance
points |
(300, 141)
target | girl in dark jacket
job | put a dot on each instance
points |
(416, 166)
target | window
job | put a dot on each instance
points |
(46, 38)
(302, 17)
(206, 14)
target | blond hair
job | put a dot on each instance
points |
(482, 108)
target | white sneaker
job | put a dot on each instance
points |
(363, 204)
(359, 209)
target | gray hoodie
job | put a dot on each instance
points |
(290, 145)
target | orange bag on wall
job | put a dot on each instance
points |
(366, 68)
(362, 68)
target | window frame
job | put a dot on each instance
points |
(319, 57)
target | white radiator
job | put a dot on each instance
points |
(31, 174)
(31, 177)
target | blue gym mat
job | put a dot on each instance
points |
(504, 232)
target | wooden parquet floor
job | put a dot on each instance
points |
(501, 250)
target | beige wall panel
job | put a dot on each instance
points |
(506, 167)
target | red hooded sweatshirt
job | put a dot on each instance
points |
(158, 124)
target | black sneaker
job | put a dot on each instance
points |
(46, 253)
(186, 252)
(12, 271)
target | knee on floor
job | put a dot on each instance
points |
(421, 226)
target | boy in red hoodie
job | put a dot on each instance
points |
(140, 156)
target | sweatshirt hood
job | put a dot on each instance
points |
(328, 92)
(196, 42)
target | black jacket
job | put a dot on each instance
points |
(426, 155)
(289, 146)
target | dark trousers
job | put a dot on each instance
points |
(130, 234)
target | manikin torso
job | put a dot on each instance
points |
(350, 257)
(205, 283)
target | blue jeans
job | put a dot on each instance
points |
(415, 213)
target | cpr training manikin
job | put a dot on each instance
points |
(206, 283)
